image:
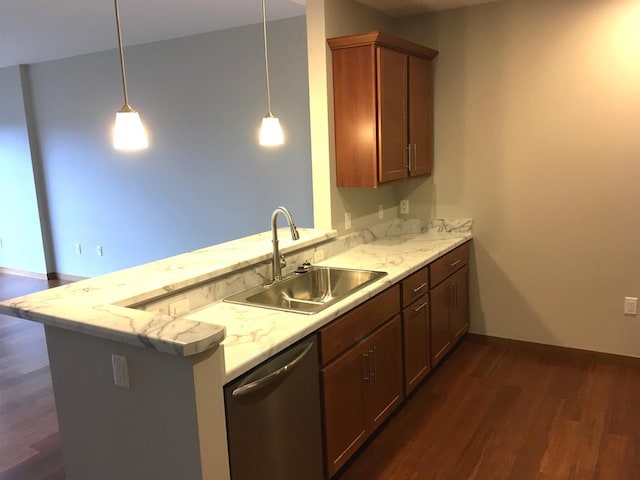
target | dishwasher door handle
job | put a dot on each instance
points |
(272, 377)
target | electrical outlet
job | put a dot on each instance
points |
(347, 220)
(120, 370)
(404, 207)
(318, 255)
(78, 249)
(630, 305)
(380, 212)
(99, 250)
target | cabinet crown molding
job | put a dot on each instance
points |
(378, 38)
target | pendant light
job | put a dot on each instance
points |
(128, 132)
(270, 131)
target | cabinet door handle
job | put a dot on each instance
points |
(451, 265)
(451, 295)
(416, 310)
(366, 368)
(420, 287)
(415, 156)
(408, 149)
(372, 358)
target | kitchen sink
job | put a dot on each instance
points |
(308, 292)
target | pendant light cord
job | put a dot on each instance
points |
(124, 75)
(266, 55)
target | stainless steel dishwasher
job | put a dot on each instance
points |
(273, 418)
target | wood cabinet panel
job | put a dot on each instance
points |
(355, 115)
(355, 325)
(420, 116)
(392, 115)
(459, 313)
(385, 385)
(440, 330)
(416, 343)
(345, 421)
(449, 263)
(415, 286)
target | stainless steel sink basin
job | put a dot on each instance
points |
(308, 292)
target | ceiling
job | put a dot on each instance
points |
(38, 30)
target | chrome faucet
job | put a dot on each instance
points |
(278, 260)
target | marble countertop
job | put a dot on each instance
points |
(254, 334)
(100, 306)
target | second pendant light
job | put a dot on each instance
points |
(270, 131)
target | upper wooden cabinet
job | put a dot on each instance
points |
(383, 107)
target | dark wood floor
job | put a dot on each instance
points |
(29, 442)
(504, 410)
(494, 410)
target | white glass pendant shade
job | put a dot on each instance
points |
(128, 132)
(271, 132)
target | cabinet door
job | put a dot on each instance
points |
(459, 314)
(385, 384)
(417, 351)
(441, 297)
(420, 116)
(354, 96)
(392, 114)
(344, 383)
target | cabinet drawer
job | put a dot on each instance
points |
(414, 286)
(353, 326)
(446, 265)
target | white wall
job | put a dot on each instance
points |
(205, 179)
(538, 139)
(22, 247)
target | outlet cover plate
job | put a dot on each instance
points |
(630, 305)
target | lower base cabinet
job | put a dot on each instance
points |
(449, 277)
(361, 389)
(375, 354)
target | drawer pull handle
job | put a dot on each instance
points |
(451, 265)
(420, 287)
(416, 310)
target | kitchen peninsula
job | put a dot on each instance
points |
(182, 344)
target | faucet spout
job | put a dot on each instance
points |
(277, 266)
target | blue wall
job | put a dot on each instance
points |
(205, 179)
(22, 247)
